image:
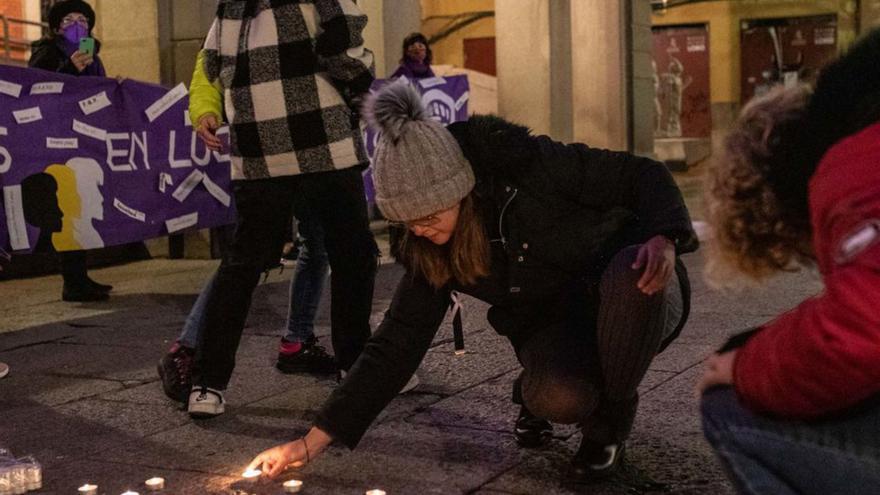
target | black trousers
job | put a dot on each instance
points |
(335, 200)
(73, 269)
(587, 368)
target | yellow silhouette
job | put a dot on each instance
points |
(70, 204)
(81, 201)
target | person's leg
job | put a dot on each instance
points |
(299, 351)
(263, 210)
(308, 281)
(77, 284)
(630, 329)
(779, 457)
(338, 203)
(195, 320)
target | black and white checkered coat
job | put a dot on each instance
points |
(289, 71)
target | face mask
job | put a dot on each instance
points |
(75, 32)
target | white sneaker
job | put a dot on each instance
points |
(4, 369)
(206, 402)
(410, 385)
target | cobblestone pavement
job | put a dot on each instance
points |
(83, 397)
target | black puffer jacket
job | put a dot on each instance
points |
(556, 214)
(46, 54)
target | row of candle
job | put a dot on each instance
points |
(293, 486)
(153, 485)
(157, 484)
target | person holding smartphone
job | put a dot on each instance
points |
(70, 49)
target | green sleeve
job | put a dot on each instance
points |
(204, 96)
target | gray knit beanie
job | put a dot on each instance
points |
(418, 167)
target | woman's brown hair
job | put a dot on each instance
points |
(465, 258)
(752, 232)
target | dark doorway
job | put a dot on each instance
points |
(784, 51)
(479, 55)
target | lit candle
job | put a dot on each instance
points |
(88, 490)
(251, 474)
(375, 492)
(129, 492)
(155, 484)
(293, 486)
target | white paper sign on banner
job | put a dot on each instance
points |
(10, 88)
(129, 211)
(4, 131)
(28, 115)
(216, 191)
(164, 103)
(15, 218)
(182, 222)
(95, 103)
(186, 187)
(47, 88)
(90, 131)
(62, 143)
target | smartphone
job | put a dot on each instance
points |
(87, 45)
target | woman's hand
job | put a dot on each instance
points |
(207, 131)
(81, 60)
(296, 453)
(719, 371)
(657, 257)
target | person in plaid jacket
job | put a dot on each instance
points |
(291, 75)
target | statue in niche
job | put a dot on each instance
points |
(674, 84)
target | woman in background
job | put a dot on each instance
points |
(415, 63)
(69, 22)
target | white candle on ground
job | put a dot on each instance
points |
(251, 474)
(129, 492)
(375, 492)
(88, 490)
(155, 483)
(293, 486)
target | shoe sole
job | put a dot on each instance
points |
(198, 412)
(532, 443)
(204, 414)
(183, 398)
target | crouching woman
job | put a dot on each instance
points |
(574, 248)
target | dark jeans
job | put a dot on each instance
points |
(336, 200)
(787, 457)
(305, 290)
(587, 368)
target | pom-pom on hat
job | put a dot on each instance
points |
(418, 166)
(60, 10)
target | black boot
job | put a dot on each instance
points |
(595, 461)
(83, 293)
(530, 430)
(98, 287)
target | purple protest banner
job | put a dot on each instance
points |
(87, 162)
(445, 97)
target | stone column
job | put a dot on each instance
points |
(400, 18)
(869, 15)
(128, 50)
(579, 71)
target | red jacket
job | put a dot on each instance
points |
(824, 355)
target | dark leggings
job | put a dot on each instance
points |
(587, 371)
